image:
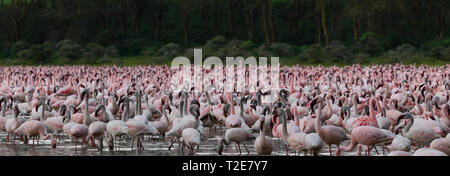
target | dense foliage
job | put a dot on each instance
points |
(299, 31)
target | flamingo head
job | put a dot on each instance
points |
(436, 101)
(226, 110)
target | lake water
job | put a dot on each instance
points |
(153, 147)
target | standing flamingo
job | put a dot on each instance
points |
(263, 144)
(330, 134)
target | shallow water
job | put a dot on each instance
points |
(152, 147)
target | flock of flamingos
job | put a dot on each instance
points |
(400, 109)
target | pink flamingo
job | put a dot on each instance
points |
(441, 144)
(367, 121)
(33, 128)
(263, 144)
(56, 124)
(191, 138)
(237, 135)
(330, 134)
(3, 117)
(429, 152)
(367, 135)
(13, 123)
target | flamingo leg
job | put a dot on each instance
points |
(329, 149)
(182, 148)
(138, 146)
(239, 146)
(75, 145)
(173, 141)
(358, 150)
(140, 143)
(375, 147)
(338, 151)
(118, 144)
(287, 150)
(100, 140)
(246, 149)
(387, 149)
(132, 143)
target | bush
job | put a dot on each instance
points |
(169, 50)
(372, 43)
(361, 58)
(446, 54)
(402, 53)
(111, 51)
(312, 53)
(39, 53)
(94, 50)
(68, 50)
(282, 49)
(215, 43)
(247, 45)
(19, 46)
(262, 51)
(233, 49)
(131, 46)
(337, 52)
(276, 50)
(428, 46)
(107, 37)
(149, 51)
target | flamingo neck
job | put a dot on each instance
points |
(185, 104)
(317, 122)
(296, 122)
(3, 109)
(262, 135)
(42, 113)
(285, 132)
(86, 108)
(165, 115)
(241, 106)
(408, 126)
(372, 112)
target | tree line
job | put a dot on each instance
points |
(193, 22)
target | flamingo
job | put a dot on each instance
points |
(419, 134)
(367, 121)
(191, 138)
(429, 152)
(237, 135)
(314, 143)
(441, 144)
(401, 143)
(366, 135)
(263, 144)
(33, 128)
(330, 134)
(97, 129)
(13, 123)
(187, 122)
(56, 124)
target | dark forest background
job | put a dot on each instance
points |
(130, 32)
